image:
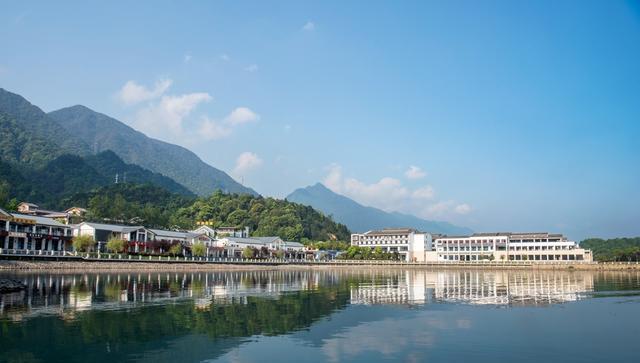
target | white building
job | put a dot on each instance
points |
(410, 244)
(507, 246)
(33, 233)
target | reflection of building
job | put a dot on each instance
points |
(473, 287)
(33, 233)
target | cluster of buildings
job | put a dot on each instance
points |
(34, 229)
(412, 245)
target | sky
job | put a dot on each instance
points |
(495, 115)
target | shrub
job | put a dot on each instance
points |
(199, 249)
(83, 243)
(116, 245)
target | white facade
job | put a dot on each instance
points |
(33, 233)
(508, 246)
(410, 244)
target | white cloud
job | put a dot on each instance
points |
(241, 115)
(415, 172)
(132, 93)
(390, 194)
(425, 192)
(212, 130)
(246, 162)
(252, 68)
(309, 26)
(166, 118)
(462, 208)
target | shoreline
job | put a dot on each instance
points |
(97, 266)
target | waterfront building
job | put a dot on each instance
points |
(66, 217)
(221, 232)
(33, 233)
(410, 244)
(507, 246)
(137, 236)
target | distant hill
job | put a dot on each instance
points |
(102, 133)
(30, 136)
(359, 218)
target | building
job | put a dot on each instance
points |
(410, 244)
(221, 232)
(73, 214)
(136, 236)
(33, 233)
(267, 246)
(507, 246)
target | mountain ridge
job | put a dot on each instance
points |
(102, 132)
(360, 218)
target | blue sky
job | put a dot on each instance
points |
(497, 115)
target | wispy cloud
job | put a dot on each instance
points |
(415, 172)
(309, 26)
(251, 68)
(133, 93)
(245, 163)
(391, 194)
(171, 117)
(225, 57)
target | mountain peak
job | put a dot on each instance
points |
(102, 133)
(360, 218)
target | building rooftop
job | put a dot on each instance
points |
(391, 231)
(39, 220)
(112, 227)
(172, 234)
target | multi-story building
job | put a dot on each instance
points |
(410, 244)
(33, 233)
(507, 246)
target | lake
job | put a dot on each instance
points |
(323, 315)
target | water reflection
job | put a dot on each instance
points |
(67, 294)
(476, 287)
(184, 316)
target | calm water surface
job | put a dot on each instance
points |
(323, 316)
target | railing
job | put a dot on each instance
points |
(99, 256)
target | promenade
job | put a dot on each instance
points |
(22, 259)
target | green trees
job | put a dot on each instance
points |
(198, 249)
(615, 249)
(116, 245)
(176, 249)
(265, 217)
(366, 253)
(83, 243)
(279, 254)
(248, 252)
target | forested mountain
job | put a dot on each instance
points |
(360, 218)
(616, 249)
(102, 133)
(266, 217)
(155, 207)
(28, 135)
(67, 175)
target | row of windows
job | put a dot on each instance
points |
(472, 241)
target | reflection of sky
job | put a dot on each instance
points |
(597, 330)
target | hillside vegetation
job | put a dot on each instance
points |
(616, 249)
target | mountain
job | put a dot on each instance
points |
(67, 175)
(28, 135)
(102, 133)
(360, 218)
